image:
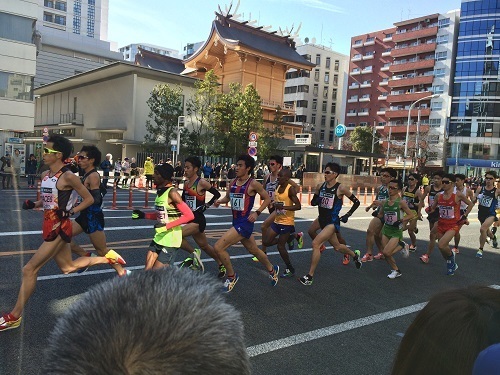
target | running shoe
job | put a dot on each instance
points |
(346, 259)
(289, 272)
(291, 243)
(274, 276)
(321, 249)
(455, 250)
(8, 321)
(197, 263)
(300, 240)
(479, 253)
(451, 266)
(126, 273)
(88, 254)
(424, 258)
(405, 251)
(367, 258)
(416, 230)
(255, 259)
(230, 283)
(379, 256)
(412, 249)
(495, 242)
(187, 263)
(113, 257)
(306, 280)
(357, 259)
(394, 274)
(487, 240)
(222, 271)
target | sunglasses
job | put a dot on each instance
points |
(49, 151)
(446, 182)
(411, 179)
(79, 157)
(328, 172)
(488, 178)
(393, 187)
(385, 175)
(272, 164)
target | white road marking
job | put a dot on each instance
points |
(286, 342)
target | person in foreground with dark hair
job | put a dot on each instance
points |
(328, 198)
(170, 213)
(58, 197)
(449, 332)
(168, 321)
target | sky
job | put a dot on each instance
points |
(173, 24)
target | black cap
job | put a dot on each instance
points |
(165, 170)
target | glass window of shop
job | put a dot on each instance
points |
(16, 86)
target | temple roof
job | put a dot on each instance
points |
(243, 37)
(158, 61)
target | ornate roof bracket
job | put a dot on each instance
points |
(242, 56)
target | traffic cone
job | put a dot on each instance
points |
(141, 184)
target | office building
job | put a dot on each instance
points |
(474, 129)
(318, 95)
(131, 50)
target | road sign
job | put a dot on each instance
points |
(45, 139)
(253, 137)
(174, 148)
(173, 142)
(302, 139)
(45, 130)
(180, 121)
(252, 151)
(340, 130)
(252, 144)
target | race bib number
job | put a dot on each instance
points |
(237, 201)
(446, 212)
(161, 214)
(390, 217)
(485, 201)
(48, 201)
(271, 194)
(327, 200)
(191, 202)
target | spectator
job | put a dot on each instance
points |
(167, 321)
(15, 163)
(31, 165)
(118, 171)
(231, 173)
(106, 165)
(126, 172)
(178, 172)
(217, 170)
(134, 171)
(207, 170)
(149, 168)
(449, 332)
(6, 170)
(425, 181)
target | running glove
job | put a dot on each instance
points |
(62, 214)
(397, 223)
(138, 214)
(344, 218)
(28, 204)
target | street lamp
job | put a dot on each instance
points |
(434, 96)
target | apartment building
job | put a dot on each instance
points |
(131, 50)
(474, 130)
(318, 95)
(17, 69)
(73, 36)
(412, 74)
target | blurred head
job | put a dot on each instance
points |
(192, 165)
(413, 179)
(331, 171)
(387, 174)
(167, 321)
(394, 187)
(244, 165)
(275, 163)
(89, 155)
(57, 147)
(449, 332)
(284, 176)
(163, 173)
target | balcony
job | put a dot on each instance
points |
(354, 86)
(363, 113)
(414, 65)
(401, 129)
(381, 113)
(356, 58)
(424, 112)
(382, 97)
(351, 114)
(369, 43)
(415, 34)
(410, 97)
(71, 118)
(415, 81)
(355, 73)
(271, 104)
(386, 53)
(365, 99)
(366, 71)
(414, 50)
(352, 100)
(387, 39)
(368, 57)
(365, 85)
(385, 68)
(357, 45)
(384, 83)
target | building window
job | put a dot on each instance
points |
(16, 28)
(333, 108)
(441, 56)
(327, 77)
(301, 104)
(434, 139)
(313, 119)
(336, 66)
(303, 88)
(382, 123)
(325, 92)
(363, 124)
(330, 135)
(435, 122)
(60, 6)
(439, 72)
(60, 20)
(359, 41)
(315, 104)
(48, 4)
(307, 57)
(442, 39)
(334, 94)
(436, 106)
(322, 135)
(445, 22)
(318, 60)
(16, 86)
(327, 63)
(439, 89)
(323, 121)
(316, 75)
(315, 90)
(351, 111)
(323, 107)
(335, 80)
(370, 39)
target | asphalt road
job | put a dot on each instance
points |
(348, 322)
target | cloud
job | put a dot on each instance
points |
(323, 5)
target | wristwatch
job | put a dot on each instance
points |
(258, 212)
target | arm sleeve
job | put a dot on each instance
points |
(216, 195)
(355, 204)
(315, 200)
(186, 216)
(150, 215)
